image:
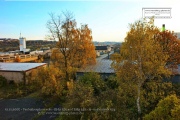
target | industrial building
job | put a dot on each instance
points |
(17, 72)
(102, 67)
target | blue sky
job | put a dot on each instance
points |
(108, 19)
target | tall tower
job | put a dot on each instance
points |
(22, 44)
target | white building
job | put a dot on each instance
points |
(22, 44)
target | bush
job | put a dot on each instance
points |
(112, 82)
(3, 81)
(176, 88)
(94, 80)
(167, 108)
(49, 80)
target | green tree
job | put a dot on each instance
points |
(91, 93)
(126, 99)
(153, 92)
(94, 80)
(80, 98)
(176, 88)
(168, 108)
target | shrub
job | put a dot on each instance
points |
(3, 81)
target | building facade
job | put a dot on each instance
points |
(17, 72)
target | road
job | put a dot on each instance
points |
(23, 109)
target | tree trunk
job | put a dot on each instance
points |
(66, 67)
(138, 102)
(140, 81)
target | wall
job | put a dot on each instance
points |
(173, 79)
(97, 53)
(104, 76)
(18, 76)
(13, 76)
(100, 52)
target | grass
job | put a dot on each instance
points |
(35, 94)
(10, 91)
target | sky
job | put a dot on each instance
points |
(108, 20)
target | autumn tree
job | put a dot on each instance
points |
(141, 58)
(171, 46)
(49, 80)
(84, 50)
(74, 48)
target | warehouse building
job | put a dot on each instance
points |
(17, 72)
(102, 67)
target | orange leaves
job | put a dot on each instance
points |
(74, 48)
(17, 59)
(84, 50)
(170, 44)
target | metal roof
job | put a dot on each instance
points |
(101, 48)
(102, 66)
(19, 66)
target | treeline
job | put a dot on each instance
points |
(12, 45)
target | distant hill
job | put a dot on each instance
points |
(13, 44)
(105, 43)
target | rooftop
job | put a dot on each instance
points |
(19, 66)
(102, 66)
(101, 47)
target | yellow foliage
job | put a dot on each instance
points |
(70, 85)
(141, 53)
(167, 108)
(74, 50)
(141, 57)
(49, 79)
